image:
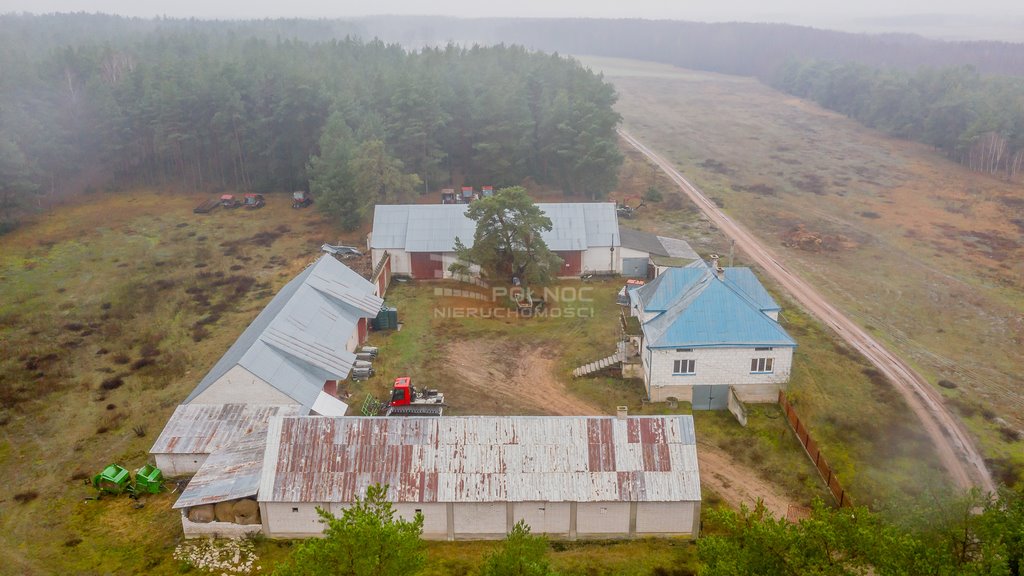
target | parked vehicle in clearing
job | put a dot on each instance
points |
(254, 201)
(229, 201)
(301, 199)
(448, 196)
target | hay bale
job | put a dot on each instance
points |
(225, 511)
(201, 514)
(247, 512)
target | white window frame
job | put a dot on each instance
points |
(762, 365)
(684, 367)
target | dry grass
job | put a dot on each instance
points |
(926, 255)
(98, 303)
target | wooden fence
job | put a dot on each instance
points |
(814, 453)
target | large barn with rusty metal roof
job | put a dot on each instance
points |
(473, 477)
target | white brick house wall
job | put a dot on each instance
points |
(716, 366)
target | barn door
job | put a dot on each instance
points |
(572, 263)
(710, 397)
(426, 265)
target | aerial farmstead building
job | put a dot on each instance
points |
(472, 477)
(706, 329)
(288, 361)
(420, 238)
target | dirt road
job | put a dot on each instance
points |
(955, 448)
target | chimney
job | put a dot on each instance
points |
(714, 261)
(720, 272)
(621, 412)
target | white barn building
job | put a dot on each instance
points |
(706, 330)
(473, 477)
(420, 238)
(287, 361)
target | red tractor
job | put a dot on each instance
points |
(406, 400)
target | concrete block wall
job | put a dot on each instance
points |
(238, 385)
(716, 366)
(493, 520)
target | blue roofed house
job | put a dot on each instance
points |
(705, 329)
(288, 361)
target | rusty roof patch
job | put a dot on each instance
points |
(483, 459)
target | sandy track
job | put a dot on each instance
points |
(955, 448)
(736, 484)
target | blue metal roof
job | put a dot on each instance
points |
(743, 280)
(697, 309)
(434, 227)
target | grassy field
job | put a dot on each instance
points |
(925, 254)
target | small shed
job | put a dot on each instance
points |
(474, 477)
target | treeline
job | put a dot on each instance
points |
(206, 109)
(975, 120)
(741, 48)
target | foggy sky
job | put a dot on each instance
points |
(815, 12)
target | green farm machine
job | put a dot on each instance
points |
(116, 479)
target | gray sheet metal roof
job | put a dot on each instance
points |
(229, 473)
(482, 459)
(434, 227)
(298, 341)
(641, 241)
(203, 428)
(656, 245)
(677, 248)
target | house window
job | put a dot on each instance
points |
(762, 365)
(768, 349)
(684, 367)
(295, 509)
(684, 349)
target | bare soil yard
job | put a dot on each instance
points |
(497, 376)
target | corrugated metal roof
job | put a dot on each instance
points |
(677, 248)
(642, 241)
(434, 227)
(298, 341)
(229, 473)
(744, 281)
(483, 459)
(203, 428)
(699, 310)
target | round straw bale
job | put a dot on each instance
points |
(225, 511)
(247, 511)
(202, 513)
